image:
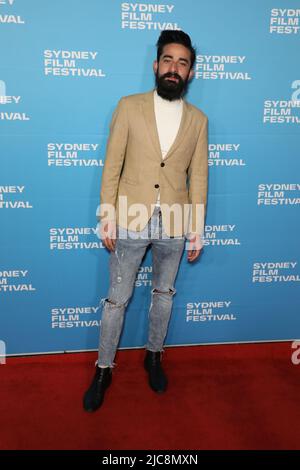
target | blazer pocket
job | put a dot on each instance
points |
(181, 186)
(128, 181)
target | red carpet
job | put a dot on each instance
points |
(219, 397)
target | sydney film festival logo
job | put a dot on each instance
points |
(8, 104)
(285, 21)
(281, 110)
(221, 67)
(72, 63)
(7, 13)
(148, 16)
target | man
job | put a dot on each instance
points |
(156, 147)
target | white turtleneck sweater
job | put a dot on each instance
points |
(168, 117)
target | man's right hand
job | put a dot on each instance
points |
(108, 234)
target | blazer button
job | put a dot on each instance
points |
(162, 164)
(156, 186)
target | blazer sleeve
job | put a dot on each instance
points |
(198, 180)
(115, 154)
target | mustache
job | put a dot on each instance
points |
(172, 75)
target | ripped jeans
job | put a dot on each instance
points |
(124, 263)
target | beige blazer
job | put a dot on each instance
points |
(134, 169)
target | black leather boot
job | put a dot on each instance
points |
(157, 378)
(94, 396)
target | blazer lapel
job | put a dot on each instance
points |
(184, 125)
(149, 115)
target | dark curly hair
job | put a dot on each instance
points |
(174, 36)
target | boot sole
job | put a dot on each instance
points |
(92, 410)
(152, 388)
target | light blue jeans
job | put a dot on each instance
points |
(125, 261)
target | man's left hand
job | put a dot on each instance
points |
(194, 247)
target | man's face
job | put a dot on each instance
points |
(173, 71)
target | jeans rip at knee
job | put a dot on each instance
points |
(171, 291)
(113, 303)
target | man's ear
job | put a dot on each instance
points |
(155, 66)
(191, 74)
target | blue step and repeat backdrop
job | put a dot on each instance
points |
(64, 65)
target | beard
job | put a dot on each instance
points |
(168, 89)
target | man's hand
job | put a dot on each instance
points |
(108, 234)
(194, 247)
